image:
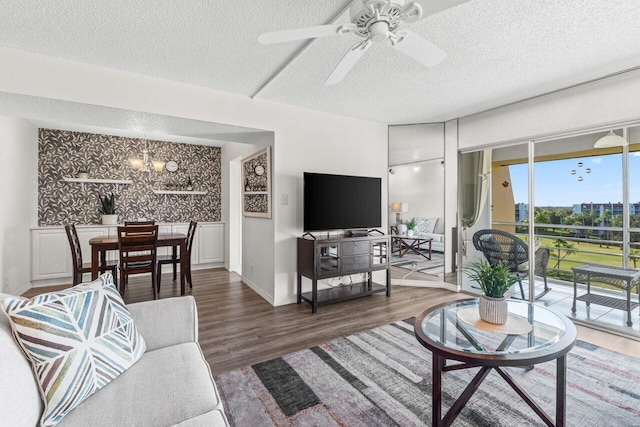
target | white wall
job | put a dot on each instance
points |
(413, 143)
(305, 140)
(451, 190)
(422, 189)
(19, 177)
(258, 254)
(232, 202)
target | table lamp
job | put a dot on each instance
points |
(399, 208)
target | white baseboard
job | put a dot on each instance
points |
(257, 290)
(287, 301)
(22, 290)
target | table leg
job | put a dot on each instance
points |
(436, 390)
(299, 289)
(629, 322)
(174, 256)
(314, 296)
(575, 294)
(183, 265)
(561, 391)
(388, 282)
(95, 257)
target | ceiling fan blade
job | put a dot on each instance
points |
(419, 49)
(430, 7)
(347, 63)
(303, 33)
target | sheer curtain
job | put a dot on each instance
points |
(475, 177)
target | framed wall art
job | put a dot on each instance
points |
(256, 184)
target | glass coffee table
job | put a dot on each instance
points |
(403, 244)
(449, 333)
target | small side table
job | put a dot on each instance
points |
(623, 278)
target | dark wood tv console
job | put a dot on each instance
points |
(342, 256)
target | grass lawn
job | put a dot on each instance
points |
(560, 263)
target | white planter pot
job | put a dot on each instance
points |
(109, 219)
(493, 310)
(83, 175)
(409, 233)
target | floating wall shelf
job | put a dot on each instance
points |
(84, 181)
(191, 193)
(256, 192)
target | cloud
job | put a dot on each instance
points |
(636, 154)
(597, 160)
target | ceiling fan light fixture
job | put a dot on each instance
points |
(610, 140)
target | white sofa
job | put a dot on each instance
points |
(170, 385)
(437, 244)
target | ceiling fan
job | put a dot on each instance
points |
(374, 21)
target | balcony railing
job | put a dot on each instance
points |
(570, 246)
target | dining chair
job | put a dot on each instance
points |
(501, 247)
(138, 223)
(138, 246)
(170, 259)
(79, 268)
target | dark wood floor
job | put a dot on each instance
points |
(239, 328)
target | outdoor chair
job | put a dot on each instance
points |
(501, 247)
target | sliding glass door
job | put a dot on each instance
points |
(575, 202)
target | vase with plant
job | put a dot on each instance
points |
(494, 280)
(410, 226)
(83, 173)
(108, 210)
(189, 184)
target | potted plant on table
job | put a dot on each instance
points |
(494, 280)
(410, 226)
(108, 210)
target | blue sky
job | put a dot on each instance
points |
(556, 186)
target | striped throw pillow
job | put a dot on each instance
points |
(77, 340)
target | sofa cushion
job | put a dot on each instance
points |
(425, 225)
(437, 238)
(77, 340)
(166, 387)
(215, 418)
(20, 397)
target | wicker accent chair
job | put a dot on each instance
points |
(501, 247)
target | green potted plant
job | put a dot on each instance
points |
(108, 210)
(494, 280)
(410, 226)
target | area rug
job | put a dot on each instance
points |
(382, 377)
(413, 262)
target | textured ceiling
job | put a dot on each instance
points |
(65, 115)
(499, 51)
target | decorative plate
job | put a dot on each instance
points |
(171, 166)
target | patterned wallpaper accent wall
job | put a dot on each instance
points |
(63, 153)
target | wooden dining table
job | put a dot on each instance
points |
(101, 244)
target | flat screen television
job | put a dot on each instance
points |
(341, 202)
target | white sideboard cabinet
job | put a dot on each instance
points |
(51, 256)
